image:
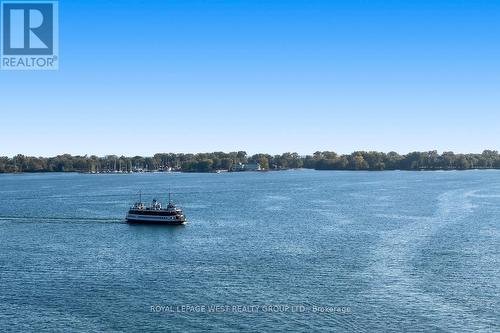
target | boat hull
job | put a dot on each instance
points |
(155, 219)
(155, 222)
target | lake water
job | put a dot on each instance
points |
(378, 251)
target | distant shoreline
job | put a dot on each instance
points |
(219, 162)
(246, 172)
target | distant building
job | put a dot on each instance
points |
(252, 167)
(238, 167)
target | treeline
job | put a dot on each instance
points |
(430, 160)
(209, 162)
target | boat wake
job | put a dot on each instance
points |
(34, 219)
(396, 278)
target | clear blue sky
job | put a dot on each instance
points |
(139, 77)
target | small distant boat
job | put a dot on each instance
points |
(155, 213)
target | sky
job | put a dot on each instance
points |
(141, 77)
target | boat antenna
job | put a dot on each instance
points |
(169, 195)
(140, 196)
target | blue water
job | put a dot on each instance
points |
(386, 251)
